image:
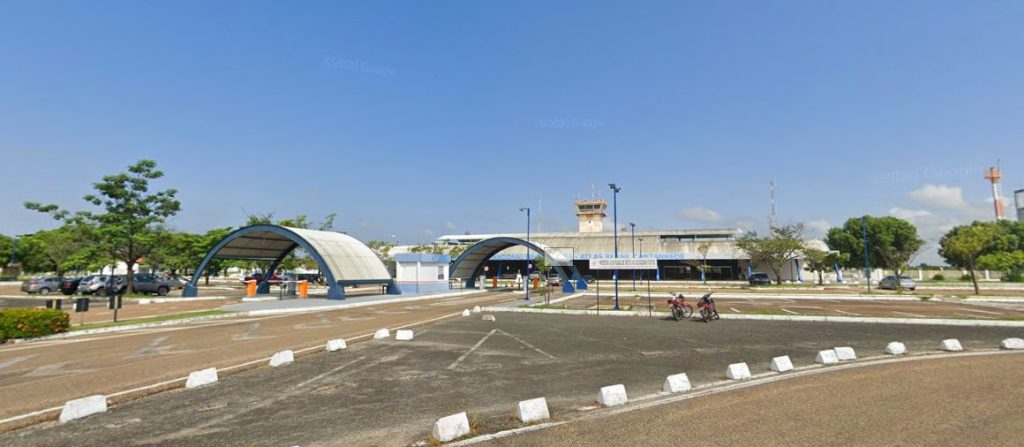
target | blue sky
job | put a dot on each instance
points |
(425, 118)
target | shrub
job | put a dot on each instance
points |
(1014, 276)
(938, 277)
(965, 277)
(24, 323)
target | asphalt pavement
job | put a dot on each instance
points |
(390, 392)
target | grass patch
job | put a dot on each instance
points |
(157, 319)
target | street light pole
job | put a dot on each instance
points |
(632, 242)
(527, 278)
(867, 260)
(615, 223)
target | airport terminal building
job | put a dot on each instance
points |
(677, 251)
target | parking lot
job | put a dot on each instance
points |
(854, 307)
(390, 392)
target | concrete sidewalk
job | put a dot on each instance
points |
(299, 305)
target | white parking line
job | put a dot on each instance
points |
(787, 310)
(470, 351)
(321, 376)
(734, 310)
(983, 311)
(909, 314)
(847, 313)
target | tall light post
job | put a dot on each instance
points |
(632, 242)
(527, 278)
(867, 260)
(615, 226)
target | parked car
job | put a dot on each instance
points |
(554, 280)
(42, 286)
(97, 284)
(759, 278)
(70, 285)
(889, 282)
(149, 283)
(258, 277)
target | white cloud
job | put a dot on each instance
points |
(449, 226)
(817, 229)
(428, 232)
(939, 196)
(700, 214)
(908, 214)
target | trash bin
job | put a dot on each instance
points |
(250, 288)
(291, 288)
(304, 289)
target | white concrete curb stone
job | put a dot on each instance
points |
(202, 377)
(403, 335)
(336, 345)
(476, 309)
(451, 427)
(489, 317)
(782, 364)
(1012, 343)
(845, 353)
(895, 348)
(612, 395)
(738, 371)
(144, 301)
(827, 357)
(533, 410)
(951, 345)
(282, 358)
(465, 313)
(382, 334)
(80, 408)
(676, 383)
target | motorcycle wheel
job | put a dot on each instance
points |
(677, 313)
(687, 311)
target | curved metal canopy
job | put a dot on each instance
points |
(342, 259)
(470, 263)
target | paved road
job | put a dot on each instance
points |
(955, 401)
(389, 393)
(830, 307)
(35, 376)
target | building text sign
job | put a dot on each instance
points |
(624, 264)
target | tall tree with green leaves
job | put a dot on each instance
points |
(963, 245)
(892, 242)
(129, 213)
(64, 248)
(776, 249)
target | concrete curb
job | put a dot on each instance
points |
(808, 318)
(202, 377)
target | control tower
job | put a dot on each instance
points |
(591, 214)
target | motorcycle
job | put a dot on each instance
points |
(680, 309)
(708, 309)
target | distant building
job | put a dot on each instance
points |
(676, 250)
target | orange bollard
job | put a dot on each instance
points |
(250, 288)
(494, 282)
(303, 289)
(536, 283)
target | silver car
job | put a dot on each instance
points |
(42, 286)
(889, 282)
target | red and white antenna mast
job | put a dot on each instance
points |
(994, 175)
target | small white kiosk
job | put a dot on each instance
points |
(421, 272)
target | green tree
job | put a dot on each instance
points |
(964, 244)
(382, 248)
(126, 226)
(1010, 262)
(61, 249)
(780, 246)
(892, 242)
